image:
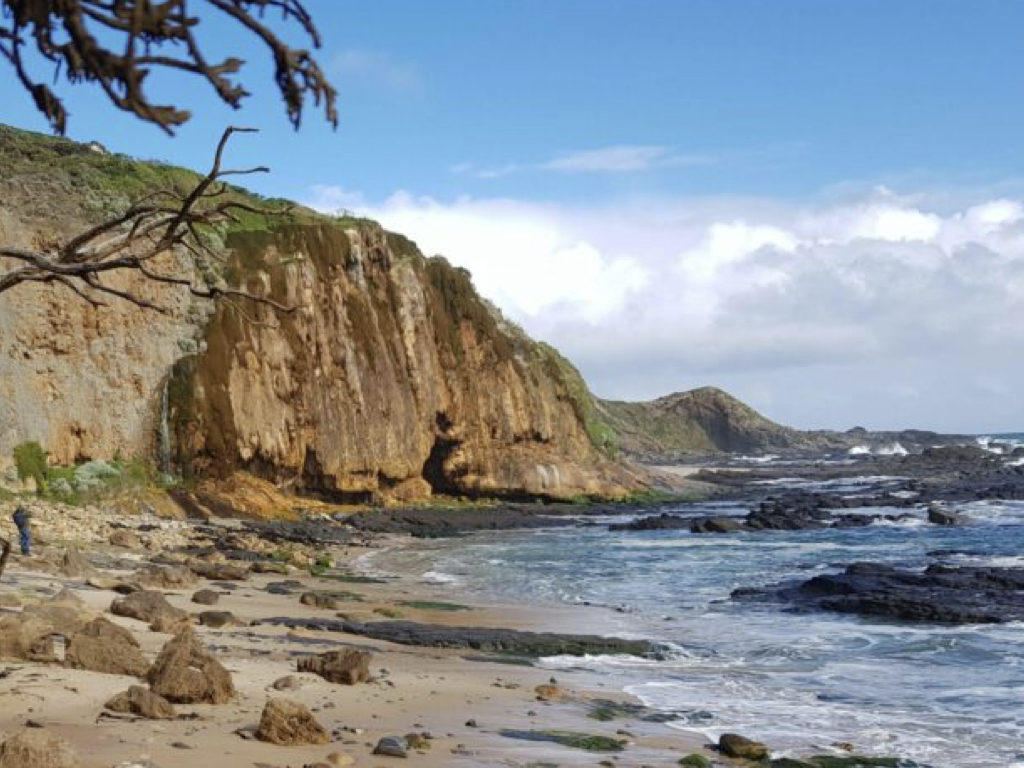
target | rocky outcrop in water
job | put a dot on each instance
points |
(940, 593)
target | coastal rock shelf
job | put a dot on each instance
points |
(507, 641)
(955, 595)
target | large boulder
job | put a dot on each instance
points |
(35, 748)
(347, 666)
(26, 638)
(289, 723)
(74, 564)
(186, 673)
(165, 577)
(141, 702)
(147, 606)
(102, 646)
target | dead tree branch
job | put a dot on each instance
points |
(164, 222)
(117, 44)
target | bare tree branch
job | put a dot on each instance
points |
(129, 242)
(117, 44)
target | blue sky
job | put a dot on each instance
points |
(724, 179)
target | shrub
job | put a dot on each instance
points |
(30, 461)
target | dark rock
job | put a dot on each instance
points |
(509, 641)
(955, 595)
(662, 522)
(217, 619)
(734, 745)
(937, 516)
(716, 525)
(391, 746)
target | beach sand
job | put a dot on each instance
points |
(413, 689)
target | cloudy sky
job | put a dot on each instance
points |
(817, 206)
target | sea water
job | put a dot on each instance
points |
(944, 696)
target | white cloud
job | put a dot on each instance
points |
(623, 158)
(379, 68)
(880, 310)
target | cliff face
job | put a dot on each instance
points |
(392, 379)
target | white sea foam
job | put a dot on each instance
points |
(439, 577)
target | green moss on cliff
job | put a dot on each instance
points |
(602, 435)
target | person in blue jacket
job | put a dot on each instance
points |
(23, 519)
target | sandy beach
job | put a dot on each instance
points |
(466, 702)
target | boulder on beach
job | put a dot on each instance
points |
(141, 702)
(289, 723)
(74, 564)
(102, 646)
(217, 619)
(126, 539)
(392, 746)
(218, 571)
(734, 745)
(206, 597)
(347, 666)
(35, 748)
(146, 605)
(165, 577)
(186, 673)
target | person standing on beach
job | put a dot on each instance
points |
(23, 519)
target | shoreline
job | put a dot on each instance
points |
(414, 689)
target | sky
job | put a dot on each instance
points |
(817, 206)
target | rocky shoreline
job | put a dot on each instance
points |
(255, 641)
(293, 647)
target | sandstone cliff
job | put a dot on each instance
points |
(392, 379)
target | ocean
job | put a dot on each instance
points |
(948, 697)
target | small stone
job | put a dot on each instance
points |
(471, 723)
(217, 619)
(695, 761)
(287, 683)
(206, 597)
(417, 741)
(142, 702)
(339, 760)
(391, 746)
(126, 539)
(549, 693)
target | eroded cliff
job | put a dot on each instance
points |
(391, 379)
